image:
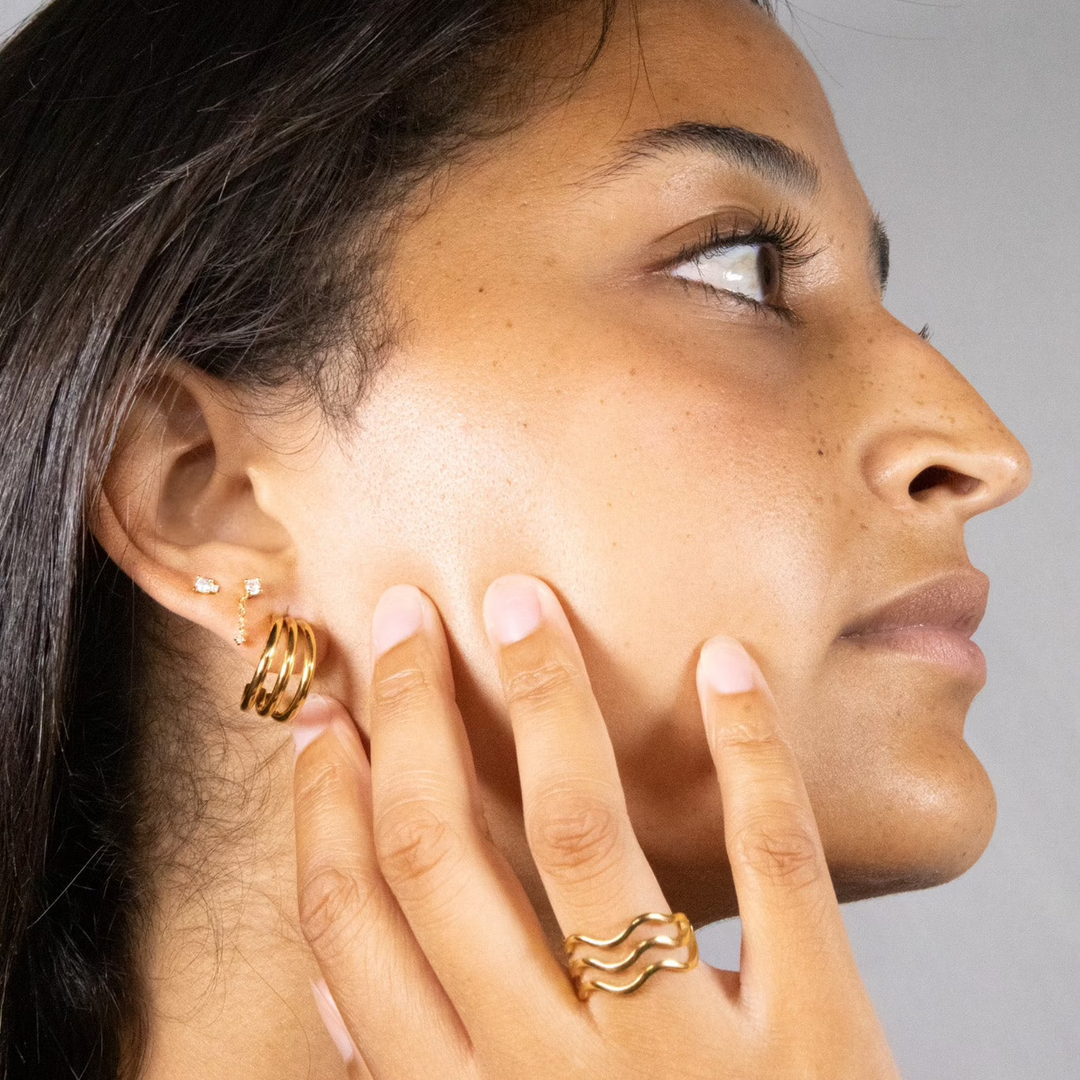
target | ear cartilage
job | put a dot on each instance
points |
(252, 587)
(206, 585)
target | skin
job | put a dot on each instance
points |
(674, 465)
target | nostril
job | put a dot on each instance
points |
(936, 477)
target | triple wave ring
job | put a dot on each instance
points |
(580, 963)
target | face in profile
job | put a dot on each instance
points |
(643, 355)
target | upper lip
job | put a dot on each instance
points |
(954, 601)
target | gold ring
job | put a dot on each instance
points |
(580, 964)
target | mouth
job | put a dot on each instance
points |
(932, 622)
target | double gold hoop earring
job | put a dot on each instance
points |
(279, 659)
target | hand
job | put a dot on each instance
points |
(433, 952)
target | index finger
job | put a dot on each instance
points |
(793, 933)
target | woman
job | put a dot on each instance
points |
(303, 303)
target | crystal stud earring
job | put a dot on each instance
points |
(206, 585)
(252, 587)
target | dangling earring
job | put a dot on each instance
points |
(266, 701)
(252, 587)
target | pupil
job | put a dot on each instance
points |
(767, 273)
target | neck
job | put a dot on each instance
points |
(225, 973)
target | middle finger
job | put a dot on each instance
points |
(595, 873)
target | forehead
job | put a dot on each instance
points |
(724, 62)
(664, 63)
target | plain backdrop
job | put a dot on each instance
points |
(963, 121)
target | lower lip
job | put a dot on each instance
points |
(936, 645)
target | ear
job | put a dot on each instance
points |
(181, 500)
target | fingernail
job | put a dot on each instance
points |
(727, 666)
(512, 608)
(312, 720)
(398, 615)
(331, 1017)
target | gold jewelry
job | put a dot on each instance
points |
(206, 585)
(266, 701)
(252, 587)
(580, 964)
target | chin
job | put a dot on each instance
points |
(930, 825)
(901, 824)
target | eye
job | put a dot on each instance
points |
(748, 270)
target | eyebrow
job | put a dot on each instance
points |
(772, 160)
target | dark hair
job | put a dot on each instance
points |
(181, 180)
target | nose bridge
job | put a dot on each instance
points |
(930, 438)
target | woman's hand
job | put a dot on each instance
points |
(427, 941)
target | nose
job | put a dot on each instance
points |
(938, 445)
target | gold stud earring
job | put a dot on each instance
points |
(252, 587)
(285, 637)
(206, 585)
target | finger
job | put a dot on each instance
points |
(579, 832)
(374, 968)
(793, 933)
(465, 906)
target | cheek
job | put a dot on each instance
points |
(683, 511)
(665, 502)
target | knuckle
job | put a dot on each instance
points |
(331, 903)
(544, 685)
(749, 740)
(574, 835)
(319, 785)
(402, 690)
(414, 846)
(780, 849)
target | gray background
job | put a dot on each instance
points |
(963, 121)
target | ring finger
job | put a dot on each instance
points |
(466, 908)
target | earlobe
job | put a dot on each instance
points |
(178, 512)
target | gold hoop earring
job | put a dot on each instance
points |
(266, 701)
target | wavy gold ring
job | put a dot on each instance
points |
(579, 965)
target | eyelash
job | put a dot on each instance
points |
(783, 232)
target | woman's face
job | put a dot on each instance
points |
(683, 440)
